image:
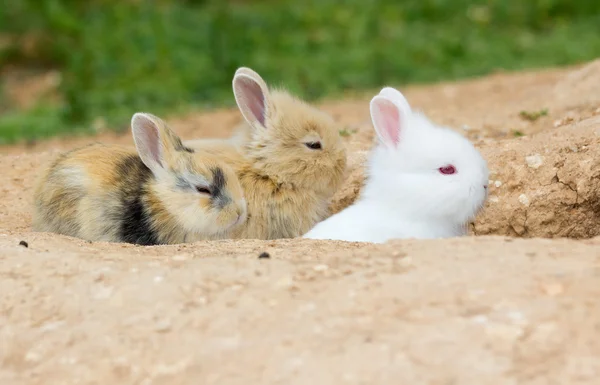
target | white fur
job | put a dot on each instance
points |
(405, 195)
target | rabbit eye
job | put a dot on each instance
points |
(203, 190)
(448, 170)
(313, 145)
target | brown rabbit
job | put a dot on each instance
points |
(165, 193)
(290, 159)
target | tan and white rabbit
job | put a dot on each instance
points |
(164, 193)
(424, 180)
(289, 159)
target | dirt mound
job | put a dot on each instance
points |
(547, 185)
(580, 87)
(475, 310)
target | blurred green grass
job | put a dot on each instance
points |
(118, 57)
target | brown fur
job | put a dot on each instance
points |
(287, 185)
(108, 193)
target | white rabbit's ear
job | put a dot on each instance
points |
(150, 140)
(252, 96)
(387, 119)
(397, 97)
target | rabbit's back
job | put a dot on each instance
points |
(90, 193)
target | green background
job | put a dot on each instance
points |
(118, 57)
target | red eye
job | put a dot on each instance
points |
(447, 170)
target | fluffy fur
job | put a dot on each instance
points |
(164, 193)
(406, 194)
(287, 183)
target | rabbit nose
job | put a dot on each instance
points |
(485, 186)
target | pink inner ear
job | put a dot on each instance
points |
(387, 119)
(153, 142)
(147, 138)
(253, 98)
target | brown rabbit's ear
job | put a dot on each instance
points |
(153, 140)
(252, 96)
(249, 72)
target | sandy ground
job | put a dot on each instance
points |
(516, 303)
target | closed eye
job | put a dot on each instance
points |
(313, 145)
(203, 190)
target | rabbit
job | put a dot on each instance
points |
(423, 180)
(289, 159)
(166, 193)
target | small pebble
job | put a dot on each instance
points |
(102, 292)
(32, 356)
(534, 161)
(320, 267)
(264, 254)
(163, 326)
(285, 282)
(406, 262)
(98, 276)
(524, 200)
(51, 326)
(504, 332)
(517, 317)
(480, 319)
(552, 289)
(24, 244)
(159, 279)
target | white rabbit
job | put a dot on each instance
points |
(423, 180)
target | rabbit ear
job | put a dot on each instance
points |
(251, 95)
(153, 140)
(249, 72)
(397, 97)
(387, 120)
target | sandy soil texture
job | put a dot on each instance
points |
(516, 303)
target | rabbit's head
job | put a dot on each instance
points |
(423, 171)
(202, 193)
(289, 140)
